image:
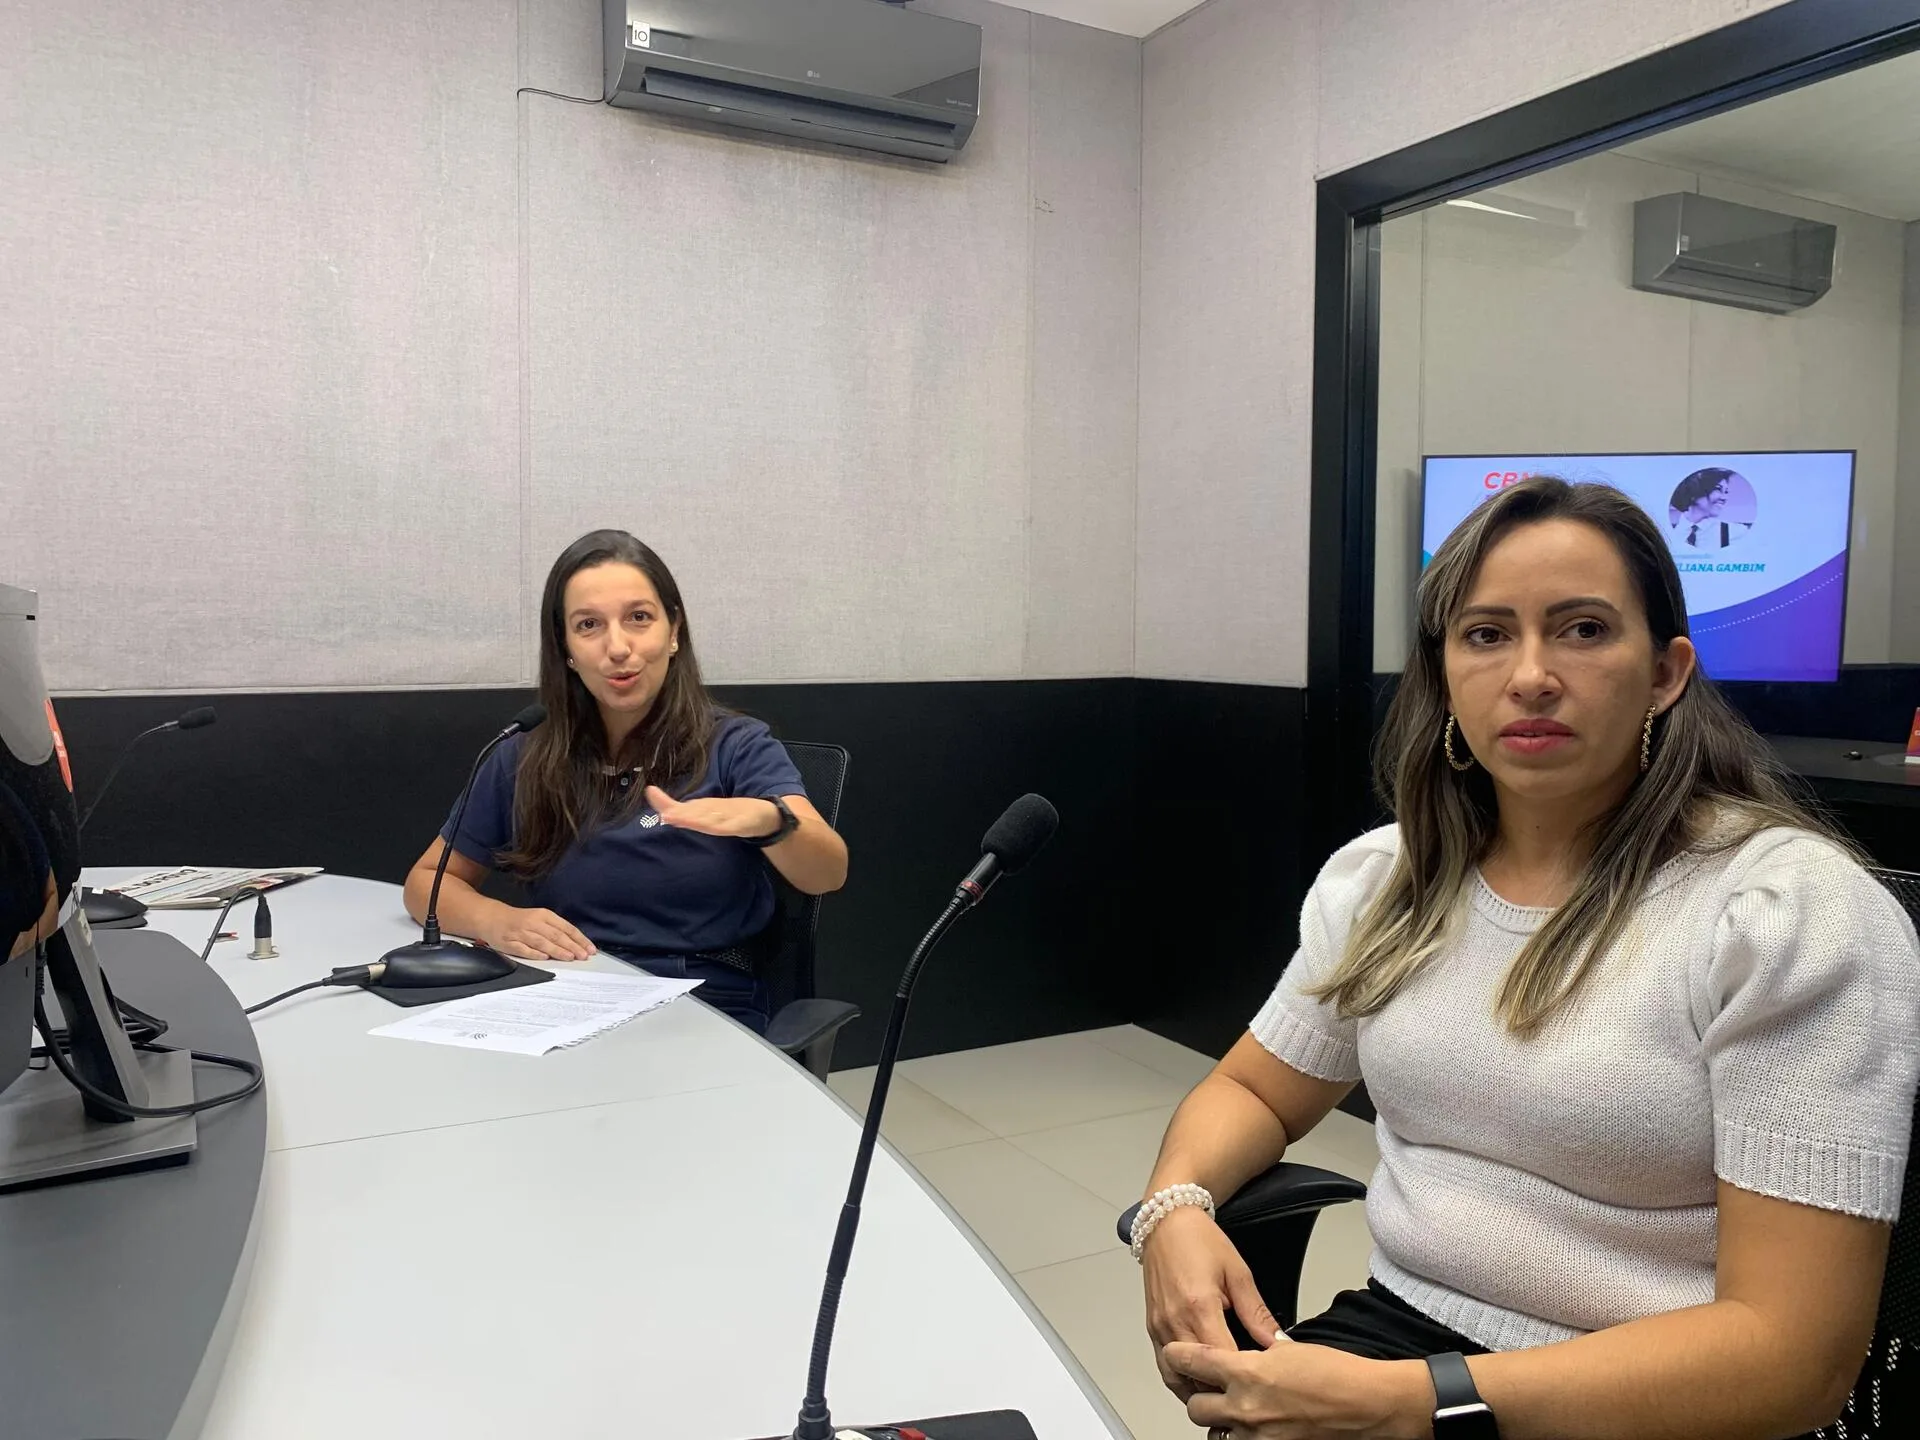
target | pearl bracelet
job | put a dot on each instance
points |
(1162, 1203)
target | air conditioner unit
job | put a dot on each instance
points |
(1707, 249)
(860, 73)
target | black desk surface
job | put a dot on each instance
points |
(114, 1292)
(1881, 771)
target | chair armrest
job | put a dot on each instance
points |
(802, 1023)
(1287, 1189)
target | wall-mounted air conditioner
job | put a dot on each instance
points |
(1707, 249)
(860, 73)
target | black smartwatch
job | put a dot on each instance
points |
(789, 822)
(1458, 1411)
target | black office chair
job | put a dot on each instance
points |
(1886, 1398)
(804, 1024)
(1270, 1220)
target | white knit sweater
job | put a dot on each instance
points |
(1759, 1022)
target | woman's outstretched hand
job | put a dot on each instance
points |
(742, 819)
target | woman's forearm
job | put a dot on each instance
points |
(1221, 1137)
(813, 859)
(1722, 1371)
(463, 910)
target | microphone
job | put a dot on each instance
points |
(432, 961)
(1014, 839)
(194, 719)
(109, 908)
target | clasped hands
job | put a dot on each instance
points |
(1283, 1391)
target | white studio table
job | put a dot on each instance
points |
(624, 1239)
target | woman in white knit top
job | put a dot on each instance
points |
(1641, 1034)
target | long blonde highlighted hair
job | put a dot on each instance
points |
(1713, 782)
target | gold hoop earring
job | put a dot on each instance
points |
(1646, 740)
(1446, 744)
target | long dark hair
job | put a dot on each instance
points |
(561, 787)
(1712, 784)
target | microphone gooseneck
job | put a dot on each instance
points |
(528, 719)
(433, 962)
(1013, 840)
(194, 719)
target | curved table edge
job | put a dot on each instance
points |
(198, 1401)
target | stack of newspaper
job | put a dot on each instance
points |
(199, 887)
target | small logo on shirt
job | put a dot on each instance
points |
(649, 820)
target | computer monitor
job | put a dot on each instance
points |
(1760, 539)
(28, 811)
(16, 1015)
(44, 1135)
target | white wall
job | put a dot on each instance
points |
(1246, 101)
(1521, 337)
(327, 345)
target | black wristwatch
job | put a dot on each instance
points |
(1458, 1411)
(789, 822)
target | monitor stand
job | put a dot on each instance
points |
(50, 1134)
(46, 1138)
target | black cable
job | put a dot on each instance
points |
(141, 1028)
(556, 95)
(232, 900)
(257, 1077)
(343, 977)
(289, 994)
(132, 1017)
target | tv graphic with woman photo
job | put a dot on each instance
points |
(1711, 509)
(1765, 595)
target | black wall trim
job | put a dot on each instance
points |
(1777, 50)
(1170, 897)
(1152, 868)
(1219, 867)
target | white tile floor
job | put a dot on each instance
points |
(1040, 1144)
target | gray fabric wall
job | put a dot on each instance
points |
(1246, 102)
(321, 344)
(1906, 539)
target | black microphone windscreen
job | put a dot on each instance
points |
(531, 718)
(1025, 826)
(196, 717)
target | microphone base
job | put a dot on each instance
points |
(979, 1425)
(110, 910)
(427, 972)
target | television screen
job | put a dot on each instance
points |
(1760, 539)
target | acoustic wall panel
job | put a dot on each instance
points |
(257, 425)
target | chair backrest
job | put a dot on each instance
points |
(790, 975)
(1886, 1399)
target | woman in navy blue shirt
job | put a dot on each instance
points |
(641, 817)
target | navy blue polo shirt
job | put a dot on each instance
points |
(640, 885)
